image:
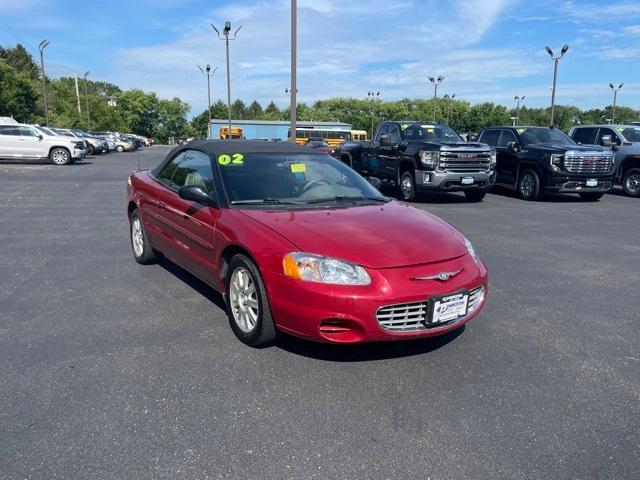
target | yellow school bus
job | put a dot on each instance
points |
(358, 135)
(236, 132)
(333, 137)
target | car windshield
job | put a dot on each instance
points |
(426, 132)
(631, 134)
(316, 144)
(292, 180)
(534, 136)
(46, 131)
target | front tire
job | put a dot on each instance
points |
(60, 156)
(120, 148)
(91, 150)
(529, 185)
(408, 186)
(142, 251)
(474, 195)
(591, 197)
(247, 304)
(631, 182)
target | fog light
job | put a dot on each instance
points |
(427, 178)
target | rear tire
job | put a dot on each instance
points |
(408, 186)
(529, 185)
(91, 150)
(60, 156)
(631, 182)
(142, 251)
(120, 148)
(247, 303)
(474, 195)
(591, 197)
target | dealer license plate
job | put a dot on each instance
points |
(466, 180)
(449, 308)
(592, 182)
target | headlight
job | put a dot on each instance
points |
(316, 268)
(429, 159)
(494, 158)
(556, 161)
(470, 249)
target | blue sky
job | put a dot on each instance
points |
(488, 50)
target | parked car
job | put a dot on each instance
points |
(624, 140)
(298, 242)
(535, 160)
(25, 142)
(98, 145)
(321, 146)
(422, 157)
(68, 133)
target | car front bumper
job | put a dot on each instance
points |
(351, 314)
(453, 181)
(577, 184)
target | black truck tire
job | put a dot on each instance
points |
(631, 182)
(408, 186)
(529, 185)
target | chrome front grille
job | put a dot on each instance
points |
(464, 162)
(588, 162)
(411, 317)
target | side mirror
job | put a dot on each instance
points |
(375, 182)
(385, 140)
(513, 146)
(607, 141)
(195, 193)
(40, 136)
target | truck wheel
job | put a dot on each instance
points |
(247, 303)
(408, 186)
(591, 197)
(631, 182)
(474, 195)
(60, 156)
(529, 185)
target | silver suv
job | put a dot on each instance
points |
(624, 140)
(26, 142)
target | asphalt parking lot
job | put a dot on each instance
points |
(114, 370)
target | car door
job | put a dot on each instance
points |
(371, 162)
(388, 154)
(31, 142)
(491, 137)
(10, 142)
(605, 131)
(507, 158)
(189, 225)
(584, 135)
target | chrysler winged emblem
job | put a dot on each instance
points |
(442, 276)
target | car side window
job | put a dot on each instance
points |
(194, 169)
(27, 132)
(382, 129)
(9, 131)
(585, 135)
(490, 137)
(166, 174)
(607, 131)
(506, 138)
(394, 134)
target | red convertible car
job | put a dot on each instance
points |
(298, 242)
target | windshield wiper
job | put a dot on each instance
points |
(344, 198)
(265, 201)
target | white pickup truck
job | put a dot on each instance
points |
(25, 142)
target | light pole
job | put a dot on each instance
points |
(435, 82)
(44, 44)
(447, 97)
(373, 96)
(207, 71)
(615, 97)
(518, 99)
(294, 69)
(225, 36)
(86, 97)
(555, 77)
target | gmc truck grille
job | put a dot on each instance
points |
(465, 162)
(588, 163)
(411, 317)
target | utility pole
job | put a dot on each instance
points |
(615, 97)
(517, 117)
(43, 44)
(435, 82)
(225, 36)
(77, 92)
(373, 96)
(449, 99)
(86, 97)
(294, 70)
(555, 78)
(209, 74)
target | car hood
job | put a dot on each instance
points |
(461, 146)
(550, 148)
(377, 236)
(60, 138)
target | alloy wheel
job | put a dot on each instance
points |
(244, 300)
(527, 185)
(407, 187)
(137, 238)
(60, 157)
(633, 183)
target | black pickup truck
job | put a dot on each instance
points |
(534, 160)
(422, 156)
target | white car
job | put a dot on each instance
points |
(25, 142)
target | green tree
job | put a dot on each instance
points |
(19, 59)
(238, 109)
(254, 111)
(18, 95)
